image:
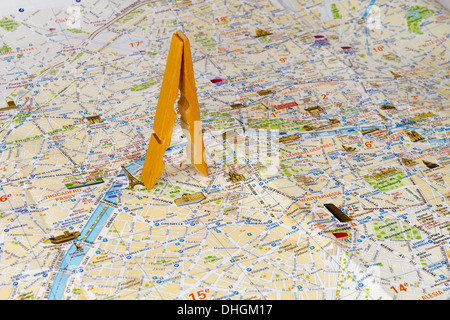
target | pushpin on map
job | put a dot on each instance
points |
(179, 75)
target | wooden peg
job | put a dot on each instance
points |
(190, 110)
(179, 75)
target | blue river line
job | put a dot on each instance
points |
(58, 286)
(102, 212)
(97, 220)
(368, 9)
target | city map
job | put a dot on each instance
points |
(326, 134)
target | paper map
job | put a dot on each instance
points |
(303, 103)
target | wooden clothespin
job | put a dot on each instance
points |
(179, 74)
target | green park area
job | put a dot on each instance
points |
(395, 230)
(143, 86)
(8, 24)
(387, 180)
(415, 16)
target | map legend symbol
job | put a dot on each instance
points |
(94, 119)
(321, 40)
(407, 162)
(430, 165)
(414, 136)
(396, 75)
(262, 33)
(348, 49)
(235, 177)
(189, 199)
(67, 236)
(387, 107)
(132, 181)
(349, 149)
(9, 105)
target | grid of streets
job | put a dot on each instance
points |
(347, 99)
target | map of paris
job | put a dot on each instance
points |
(326, 134)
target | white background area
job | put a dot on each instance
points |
(13, 6)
